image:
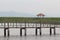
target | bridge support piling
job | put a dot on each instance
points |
(4, 32)
(25, 28)
(25, 31)
(40, 31)
(54, 31)
(8, 32)
(20, 31)
(36, 31)
(50, 31)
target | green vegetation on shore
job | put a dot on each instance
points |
(28, 19)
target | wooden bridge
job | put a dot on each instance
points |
(24, 26)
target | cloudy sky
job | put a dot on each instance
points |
(50, 8)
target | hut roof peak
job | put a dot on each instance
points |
(40, 14)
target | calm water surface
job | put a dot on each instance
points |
(14, 35)
(43, 37)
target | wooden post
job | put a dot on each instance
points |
(8, 32)
(20, 31)
(36, 31)
(13, 24)
(40, 27)
(25, 31)
(40, 31)
(16, 24)
(50, 31)
(54, 31)
(25, 28)
(4, 32)
(28, 24)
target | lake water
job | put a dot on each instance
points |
(15, 34)
(43, 37)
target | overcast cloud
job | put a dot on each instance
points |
(50, 8)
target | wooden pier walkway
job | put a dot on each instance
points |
(24, 26)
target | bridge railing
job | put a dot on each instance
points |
(32, 24)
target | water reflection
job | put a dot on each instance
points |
(43, 37)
